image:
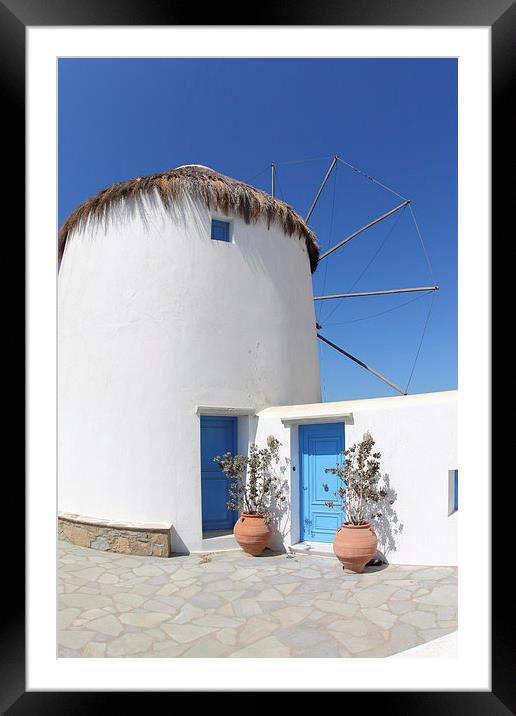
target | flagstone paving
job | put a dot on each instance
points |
(229, 604)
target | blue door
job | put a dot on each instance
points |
(320, 446)
(218, 436)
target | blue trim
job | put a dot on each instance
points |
(214, 484)
(219, 230)
(320, 446)
(456, 490)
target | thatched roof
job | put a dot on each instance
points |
(218, 192)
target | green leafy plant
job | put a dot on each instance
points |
(359, 475)
(256, 480)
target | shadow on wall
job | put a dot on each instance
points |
(279, 524)
(178, 547)
(148, 210)
(387, 526)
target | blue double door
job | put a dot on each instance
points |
(320, 447)
(218, 436)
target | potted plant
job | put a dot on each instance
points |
(255, 489)
(355, 542)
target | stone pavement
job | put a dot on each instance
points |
(232, 605)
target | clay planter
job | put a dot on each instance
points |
(252, 533)
(355, 546)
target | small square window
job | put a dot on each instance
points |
(219, 230)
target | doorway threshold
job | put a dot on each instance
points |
(217, 541)
(320, 549)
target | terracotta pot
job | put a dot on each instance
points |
(355, 545)
(252, 533)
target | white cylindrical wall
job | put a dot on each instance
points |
(154, 319)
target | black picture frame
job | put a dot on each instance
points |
(15, 16)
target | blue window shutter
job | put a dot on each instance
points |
(456, 491)
(219, 230)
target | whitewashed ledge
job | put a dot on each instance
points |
(138, 538)
(443, 647)
(115, 525)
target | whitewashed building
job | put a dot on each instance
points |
(186, 328)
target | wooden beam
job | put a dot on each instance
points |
(377, 293)
(364, 228)
(321, 188)
(362, 364)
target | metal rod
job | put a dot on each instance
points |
(377, 293)
(363, 365)
(321, 188)
(364, 228)
(273, 176)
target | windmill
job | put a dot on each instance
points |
(405, 203)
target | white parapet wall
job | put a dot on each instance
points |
(417, 438)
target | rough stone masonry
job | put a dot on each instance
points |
(112, 537)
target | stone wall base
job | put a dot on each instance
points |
(129, 538)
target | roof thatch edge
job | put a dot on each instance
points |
(218, 192)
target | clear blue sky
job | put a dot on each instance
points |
(394, 119)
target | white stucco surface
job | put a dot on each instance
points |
(417, 437)
(154, 320)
